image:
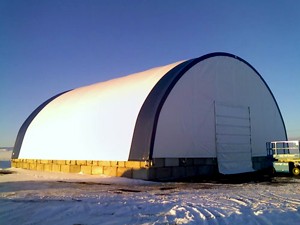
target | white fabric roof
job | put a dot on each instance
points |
(92, 122)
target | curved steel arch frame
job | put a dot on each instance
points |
(145, 128)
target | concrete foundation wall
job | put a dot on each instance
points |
(157, 169)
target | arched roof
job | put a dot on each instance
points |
(113, 120)
(99, 115)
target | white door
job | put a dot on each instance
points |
(233, 139)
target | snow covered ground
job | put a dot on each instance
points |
(31, 197)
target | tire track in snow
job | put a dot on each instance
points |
(179, 215)
(256, 203)
(216, 215)
(245, 205)
(261, 202)
(281, 202)
(238, 201)
(195, 212)
(280, 197)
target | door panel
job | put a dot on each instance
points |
(233, 139)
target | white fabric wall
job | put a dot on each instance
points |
(186, 125)
(92, 122)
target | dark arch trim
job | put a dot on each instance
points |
(145, 128)
(25, 125)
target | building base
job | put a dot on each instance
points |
(156, 169)
(159, 169)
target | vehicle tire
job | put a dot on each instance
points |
(296, 171)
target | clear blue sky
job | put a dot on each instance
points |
(47, 47)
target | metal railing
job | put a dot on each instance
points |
(283, 147)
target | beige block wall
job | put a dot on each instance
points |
(157, 169)
(93, 167)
